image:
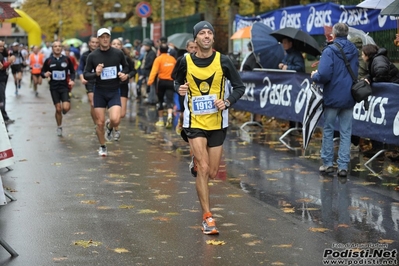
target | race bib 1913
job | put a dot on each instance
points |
(204, 104)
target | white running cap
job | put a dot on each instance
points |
(102, 31)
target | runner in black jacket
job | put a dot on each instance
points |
(93, 45)
(56, 68)
(103, 66)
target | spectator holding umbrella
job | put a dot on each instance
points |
(293, 60)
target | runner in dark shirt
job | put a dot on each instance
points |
(103, 66)
(93, 45)
(56, 68)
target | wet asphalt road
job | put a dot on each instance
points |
(138, 206)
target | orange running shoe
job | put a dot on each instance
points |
(209, 226)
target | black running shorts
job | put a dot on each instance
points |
(104, 98)
(214, 138)
(16, 68)
(124, 87)
(89, 87)
(60, 95)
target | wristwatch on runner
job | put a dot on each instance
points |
(227, 103)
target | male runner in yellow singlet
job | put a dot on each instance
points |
(201, 79)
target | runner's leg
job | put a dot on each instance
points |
(92, 112)
(58, 114)
(199, 149)
(100, 121)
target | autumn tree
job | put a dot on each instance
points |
(67, 17)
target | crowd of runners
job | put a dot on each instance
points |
(191, 81)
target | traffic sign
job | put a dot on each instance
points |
(143, 10)
(108, 15)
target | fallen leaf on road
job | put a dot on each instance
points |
(357, 169)
(364, 183)
(386, 241)
(116, 176)
(364, 198)
(234, 196)
(268, 172)
(145, 211)
(254, 243)
(247, 235)
(161, 218)
(103, 208)
(126, 206)
(343, 225)
(162, 196)
(278, 263)
(389, 184)
(216, 242)
(309, 209)
(304, 200)
(248, 158)
(282, 246)
(87, 243)
(172, 213)
(88, 202)
(318, 229)
(121, 250)
(288, 210)
(59, 259)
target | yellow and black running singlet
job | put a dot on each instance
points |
(206, 84)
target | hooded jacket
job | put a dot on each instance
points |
(381, 69)
(334, 75)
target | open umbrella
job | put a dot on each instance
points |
(366, 39)
(375, 4)
(73, 41)
(301, 40)
(268, 52)
(179, 40)
(7, 12)
(391, 10)
(313, 111)
(243, 33)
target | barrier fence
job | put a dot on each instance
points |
(282, 94)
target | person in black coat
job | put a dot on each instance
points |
(381, 69)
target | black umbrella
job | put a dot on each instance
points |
(6, 11)
(313, 111)
(301, 40)
(392, 9)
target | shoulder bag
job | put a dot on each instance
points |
(361, 89)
